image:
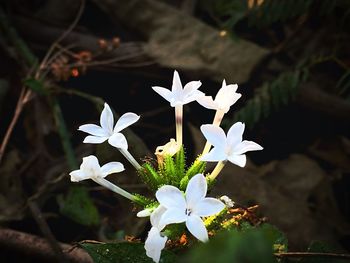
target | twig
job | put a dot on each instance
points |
(60, 38)
(18, 110)
(311, 254)
(44, 228)
(25, 243)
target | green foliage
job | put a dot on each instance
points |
(172, 171)
(228, 13)
(270, 97)
(271, 11)
(196, 168)
(150, 176)
(250, 245)
(169, 170)
(143, 201)
(180, 163)
(35, 85)
(123, 252)
(78, 206)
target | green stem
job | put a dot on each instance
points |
(64, 135)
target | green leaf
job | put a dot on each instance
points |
(35, 85)
(276, 237)
(234, 246)
(123, 252)
(78, 206)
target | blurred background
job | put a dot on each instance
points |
(60, 60)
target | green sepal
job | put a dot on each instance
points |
(180, 164)
(143, 200)
(169, 169)
(150, 176)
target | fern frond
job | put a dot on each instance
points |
(270, 97)
(271, 11)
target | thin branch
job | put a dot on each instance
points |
(10, 128)
(61, 37)
(37, 247)
(46, 231)
(311, 254)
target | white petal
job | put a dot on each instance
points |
(154, 244)
(235, 133)
(165, 93)
(215, 135)
(207, 102)
(78, 175)
(191, 87)
(118, 140)
(171, 197)
(112, 167)
(93, 129)
(215, 155)
(126, 120)
(90, 164)
(173, 216)
(196, 226)
(227, 96)
(94, 139)
(195, 95)
(196, 190)
(176, 88)
(239, 160)
(246, 146)
(144, 213)
(208, 206)
(106, 119)
(156, 216)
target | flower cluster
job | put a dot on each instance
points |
(180, 195)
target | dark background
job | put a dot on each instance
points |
(291, 62)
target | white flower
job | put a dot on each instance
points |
(224, 99)
(189, 208)
(99, 134)
(155, 242)
(91, 169)
(178, 95)
(230, 148)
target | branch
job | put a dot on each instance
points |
(38, 247)
(311, 254)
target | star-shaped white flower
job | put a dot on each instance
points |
(189, 208)
(224, 99)
(178, 95)
(91, 169)
(155, 241)
(99, 134)
(230, 148)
